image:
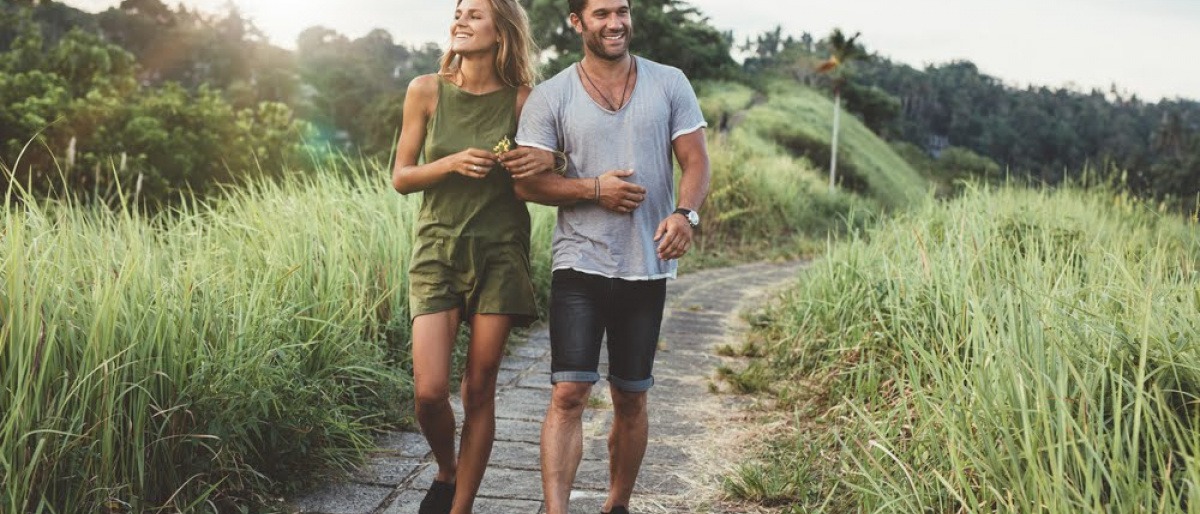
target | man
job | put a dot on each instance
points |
(618, 120)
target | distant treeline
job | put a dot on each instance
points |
(171, 100)
(1040, 133)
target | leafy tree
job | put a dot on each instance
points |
(877, 108)
(74, 121)
(1042, 133)
(356, 87)
(668, 31)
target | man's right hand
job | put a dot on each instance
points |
(619, 195)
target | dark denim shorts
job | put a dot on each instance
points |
(584, 307)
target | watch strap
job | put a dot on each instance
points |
(687, 214)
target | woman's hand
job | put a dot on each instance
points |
(526, 161)
(472, 162)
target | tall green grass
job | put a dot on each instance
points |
(190, 361)
(765, 203)
(1012, 351)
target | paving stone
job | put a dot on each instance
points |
(535, 348)
(518, 430)
(424, 477)
(536, 381)
(522, 403)
(407, 502)
(506, 506)
(658, 452)
(410, 500)
(593, 476)
(515, 484)
(586, 502)
(518, 455)
(342, 498)
(507, 376)
(408, 444)
(388, 470)
(517, 363)
(542, 369)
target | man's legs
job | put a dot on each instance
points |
(633, 328)
(626, 445)
(562, 443)
(576, 330)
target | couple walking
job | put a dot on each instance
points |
(597, 141)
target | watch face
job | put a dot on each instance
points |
(693, 218)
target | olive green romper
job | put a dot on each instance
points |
(471, 249)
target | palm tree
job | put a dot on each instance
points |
(842, 50)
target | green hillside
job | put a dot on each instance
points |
(770, 194)
(800, 121)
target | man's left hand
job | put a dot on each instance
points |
(526, 161)
(674, 237)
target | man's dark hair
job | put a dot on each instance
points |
(577, 6)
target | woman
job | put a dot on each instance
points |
(470, 259)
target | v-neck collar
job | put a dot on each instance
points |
(575, 68)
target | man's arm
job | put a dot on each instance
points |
(610, 190)
(692, 152)
(674, 234)
(551, 189)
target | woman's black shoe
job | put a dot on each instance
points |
(439, 499)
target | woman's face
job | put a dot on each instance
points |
(474, 28)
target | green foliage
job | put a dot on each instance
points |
(720, 101)
(358, 85)
(876, 108)
(671, 32)
(762, 195)
(1011, 351)
(766, 200)
(799, 119)
(954, 167)
(1039, 132)
(75, 123)
(205, 355)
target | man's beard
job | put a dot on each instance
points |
(600, 50)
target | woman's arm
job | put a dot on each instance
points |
(407, 175)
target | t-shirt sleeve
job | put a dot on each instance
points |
(538, 126)
(686, 116)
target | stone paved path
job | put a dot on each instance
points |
(685, 419)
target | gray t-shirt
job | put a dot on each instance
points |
(560, 114)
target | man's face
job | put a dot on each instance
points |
(606, 28)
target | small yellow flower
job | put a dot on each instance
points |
(503, 146)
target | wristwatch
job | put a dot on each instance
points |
(693, 218)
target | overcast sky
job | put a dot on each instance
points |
(1146, 47)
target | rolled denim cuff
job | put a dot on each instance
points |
(631, 386)
(590, 377)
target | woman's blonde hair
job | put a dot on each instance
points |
(516, 56)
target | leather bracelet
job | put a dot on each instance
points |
(597, 199)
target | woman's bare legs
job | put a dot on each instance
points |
(433, 342)
(489, 332)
